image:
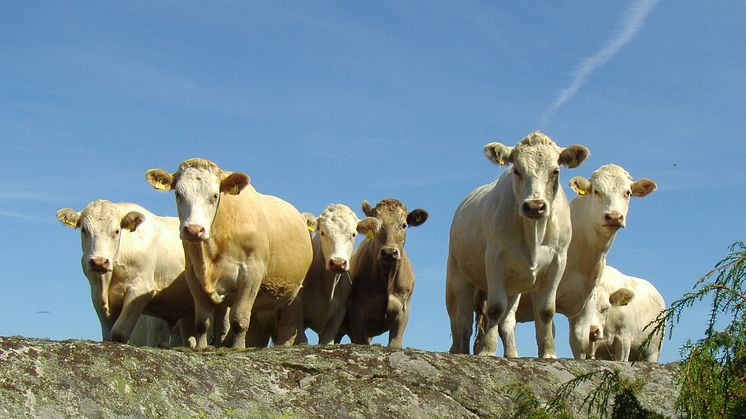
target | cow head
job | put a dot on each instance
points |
(337, 227)
(101, 225)
(535, 175)
(393, 231)
(198, 185)
(605, 300)
(608, 193)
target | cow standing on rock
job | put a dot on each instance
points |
(382, 276)
(134, 262)
(244, 250)
(508, 237)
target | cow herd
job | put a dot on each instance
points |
(240, 268)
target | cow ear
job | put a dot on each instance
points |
(580, 185)
(643, 187)
(417, 217)
(69, 217)
(498, 153)
(621, 297)
(369, 226)
(574, 155)
(160, 179)
(132, 220)
(367, 209)
(234, 183)
(312, 222)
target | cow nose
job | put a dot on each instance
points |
(194, 232)
(337, 264)
(99, 264)
(614, 219)
(595, 333)
(390, 254)
(534, 208)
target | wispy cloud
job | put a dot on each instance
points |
(631, 24)
(31, 217)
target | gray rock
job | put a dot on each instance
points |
(41, 378)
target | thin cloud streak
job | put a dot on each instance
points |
(632, 23)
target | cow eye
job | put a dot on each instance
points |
(403, 226)
(555, 172)
(322, 233)
(84, 231)
(516, 172)
(627, 194)
(116, 232)
(598, 193)
(354, 234)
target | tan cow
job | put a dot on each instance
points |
(134, 262)
(328, 285)
(244, 249)
(382, 276)
(598, 212)
(509, 237)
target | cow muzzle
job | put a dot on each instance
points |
(390, 254)
(193, 233)
(596, 334)
(614, 219)
(535, 208)
(99, 265)
(337, 264)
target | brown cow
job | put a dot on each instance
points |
(382, 275)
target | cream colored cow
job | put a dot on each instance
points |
(624, 305)
(509, 237)
(134, 262)
(598, 212)
(244, 249)
(328, 284)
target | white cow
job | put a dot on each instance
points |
(327, 285)
(134, 262)
(509, 237)
(598, 212)
(624, 305)
(244, 249)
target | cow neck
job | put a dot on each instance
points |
(589, 248)
(534, 232)
(105, 279)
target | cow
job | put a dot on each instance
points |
(382, 275)
(510, 237)
(152, 331)
(327, 285)
(624, 306)
(134, 262)
(244, 250)
(598, 212)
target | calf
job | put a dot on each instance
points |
(624, 305)
(509, 237)
(244, 250)
(382, 276)
(134, 263)
(328, 285)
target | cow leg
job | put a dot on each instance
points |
(203, 311)
(222, 326)
(133, 305)
(506, 328)
(397, 317)
(333, 325)
(257, 335)
(287, 324)
(544, 308)
(580, 329)
(459, 303)
(240, 314)
(497, 300)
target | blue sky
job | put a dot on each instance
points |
(323, 102)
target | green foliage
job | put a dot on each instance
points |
(529, 407)
(597, 402)
(712, 379)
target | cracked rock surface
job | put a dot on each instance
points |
(60, 379)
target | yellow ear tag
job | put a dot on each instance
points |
(311, 228)
(582, 191)
(370, 234)
(161, 187)
(234, 190)
(69, 222)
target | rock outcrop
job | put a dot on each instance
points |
(50, 379)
